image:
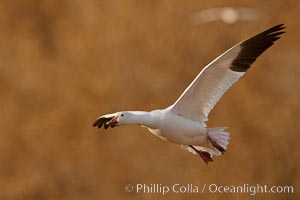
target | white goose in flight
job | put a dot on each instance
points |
(184, 121)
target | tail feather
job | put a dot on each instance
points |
(219, 135)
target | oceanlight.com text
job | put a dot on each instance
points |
(249, 189)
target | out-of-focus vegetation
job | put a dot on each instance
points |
(64, 63)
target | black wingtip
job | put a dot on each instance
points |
(95, 123)
(255, 46)
(99, 122)
(102, 121)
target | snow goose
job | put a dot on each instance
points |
(184, 121)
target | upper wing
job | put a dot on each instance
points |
(214, 80)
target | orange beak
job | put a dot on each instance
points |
(113, 121)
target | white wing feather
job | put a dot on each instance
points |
(208, 87)
(215, 79)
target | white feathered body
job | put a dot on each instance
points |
(177, 129)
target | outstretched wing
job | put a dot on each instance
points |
(214, 80)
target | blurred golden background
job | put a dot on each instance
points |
(64, 63)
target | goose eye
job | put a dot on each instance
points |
(122, 115)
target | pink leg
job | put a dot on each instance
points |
(203, 154)
(216, 145)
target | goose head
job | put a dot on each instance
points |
(123, 118)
